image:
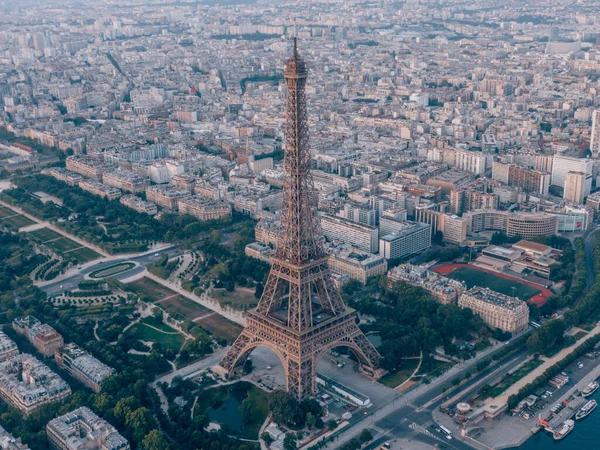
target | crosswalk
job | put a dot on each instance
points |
(416, 427)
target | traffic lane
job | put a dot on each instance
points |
(143, 261)
(438, 390)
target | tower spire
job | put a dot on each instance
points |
(301, 314)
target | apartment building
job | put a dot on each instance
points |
(413, 238)
(82, 429)
(529, 180)
(267, 231)
(127, 181)
(357, 264)
(97, 188)
(64, 175)
(443, 289)
(337, 229)
(139, 205)
(83, 366)
(203, 209)
(497, 310)
(44, 338)
(564, 164)
(8, 348)
(474, 162)
(165, 196)
(575, 187)
(88, 167)
(9, 442)
(26, 384)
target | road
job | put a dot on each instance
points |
(406, 418)
(141, 261)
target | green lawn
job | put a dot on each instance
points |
(19, 221)
(238, 298)
(5, 212)
(63, 244)
(220, 327)
(395, 379)
(150, 289)
(473, 277)
(45, 234)
(184, 308)
(173, 340)
(83, 255)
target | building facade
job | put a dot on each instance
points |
(82, 429)
(497, 310)
(44, 338)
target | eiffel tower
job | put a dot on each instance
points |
(301, 314)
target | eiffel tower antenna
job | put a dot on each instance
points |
(301, 314)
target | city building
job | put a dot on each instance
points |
(337, 229)
(9, 442)
(413, 238)
(83, 366)
(525, 225)
(497, 310)
(126, 181)
(203, 209)
(576, 186)
(71, 178)
(165, 196)
(564, 164)
(529, 180)
(88, 167)
(44, 338)
(97, 188)
(139, 205)
(356, 264)
(8, 348)
(443, 289)
(82, 429)
(595, 134)
(26, 384)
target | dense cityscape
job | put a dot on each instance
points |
(327, 224)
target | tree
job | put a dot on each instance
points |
(571, 317)
(332, 424)
(154, 440)
(230, 286)
(310, 420)
(289, 442)
(365, 436)
(259, 290)
(286, 409)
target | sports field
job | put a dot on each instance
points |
(476, 276)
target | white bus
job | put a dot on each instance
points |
(534, 324)
(446, 431)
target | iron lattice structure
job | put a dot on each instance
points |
(301, 314)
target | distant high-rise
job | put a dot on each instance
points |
(595, 138)
(575, 187)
